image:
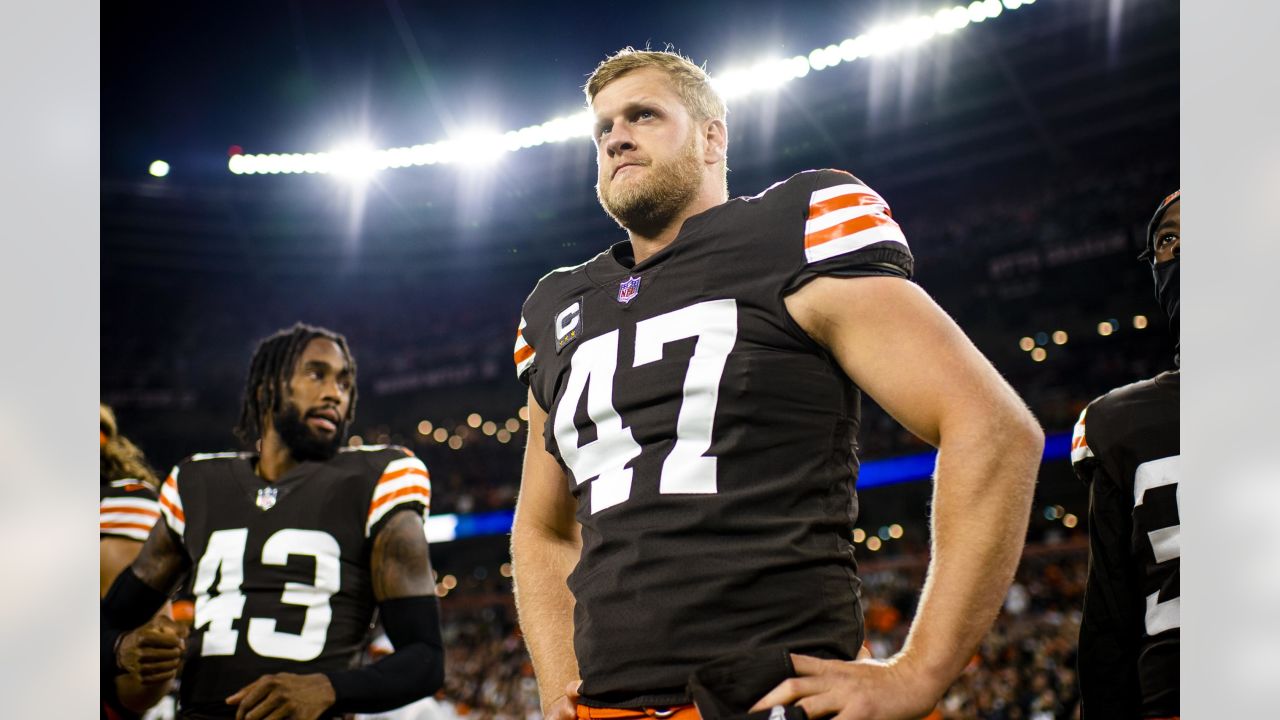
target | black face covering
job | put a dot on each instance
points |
(1166, 277)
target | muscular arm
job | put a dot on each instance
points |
(546, 543)
(905, 352)
(160, 564)
(115, 556)
(400, 565)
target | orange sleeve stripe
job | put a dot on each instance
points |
(130, 511)
(388, 477)
(411, 490)
(124, 526)
(818, 209)
(1078, 443)
(846, 228)
(524, 353)
(177, 511)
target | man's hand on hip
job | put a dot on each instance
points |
(858, 690)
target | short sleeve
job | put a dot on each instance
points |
(404, 484)
(127, 509)
(849, 231)
(171, 503)
(524, 353)
(1080, 450)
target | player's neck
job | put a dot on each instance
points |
(274, 458)
(645, 246)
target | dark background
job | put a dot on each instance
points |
(1022, 156)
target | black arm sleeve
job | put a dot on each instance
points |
(128, 604)
(414, 671)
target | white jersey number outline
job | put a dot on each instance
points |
(1165, 542)
(225, 553)
(603, 461)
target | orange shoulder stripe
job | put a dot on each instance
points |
(177, 511)
(411, 490)
(848, 227)
(854, 199)
(388, 477)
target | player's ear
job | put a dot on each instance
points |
(715, 138)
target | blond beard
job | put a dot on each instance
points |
(649, 204)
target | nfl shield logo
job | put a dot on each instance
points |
(267, 498)
(628, 289)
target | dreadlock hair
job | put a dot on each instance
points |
(269, 372)
(121, 459)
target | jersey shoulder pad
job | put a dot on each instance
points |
(1108, 419)
(838, 225)
(401, 481)
(374, 458)
(190, 470)
(1081, 453)
(536, 314)
(845, 217)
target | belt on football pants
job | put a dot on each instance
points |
(675, 712)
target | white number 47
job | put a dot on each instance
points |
(603, 461)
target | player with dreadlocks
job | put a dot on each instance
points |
(289, 548)
(127, 510)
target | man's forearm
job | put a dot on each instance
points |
(981, 505)
(542, 565)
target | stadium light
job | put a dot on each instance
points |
(159, 168)
(479, 148)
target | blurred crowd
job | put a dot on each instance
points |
(1024, 669)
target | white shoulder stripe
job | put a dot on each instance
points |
(1079, 442)
(404, 463)
(363, 448)
(131, 533)
(525, 364)
(835, 217)
(856, 241)
(171, 504)
(824, 194)
(145, 504)
(382, 511)
(389, 487)
(213, 456)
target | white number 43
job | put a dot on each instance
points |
(224, 558)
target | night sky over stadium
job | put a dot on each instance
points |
(185, 82)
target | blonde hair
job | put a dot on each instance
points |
(692, 83)
(121, 459)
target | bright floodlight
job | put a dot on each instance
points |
(478, 149)
(355, 161)
(485, 148)
(159, 168)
